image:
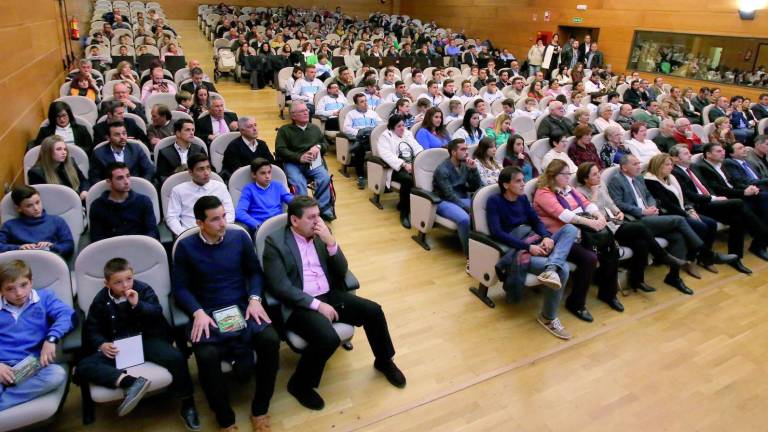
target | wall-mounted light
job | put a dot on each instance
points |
(747, 8)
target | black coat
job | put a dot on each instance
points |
(168, 160)
(238, 154)
(203, 126)
(666, 200)
(101, 131)
(82, 137)
(190, 87)
(714, 182)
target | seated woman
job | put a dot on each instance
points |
(743, 128)
(643, 148)
(535, 91)
(512, 221)
(556, 90)
(200, 102)
(517, 156)
(670, 201)
(81, 85)
(398, 148)
(604, 117)
(432, 133)
(470, 130)
(722, 134)
(61, 122)
(54, 166)
(501, 130)
(485, 158)
(557, 204)
(581, 118)
(614, 147)
(631, 234)
(582, 150)
(124, 72)
(558, 151)
(403, 109)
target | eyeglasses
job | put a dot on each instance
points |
(565, 173)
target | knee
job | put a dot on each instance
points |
(55, 375)
(327, 343)
(207, 355)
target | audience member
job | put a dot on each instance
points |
(161, 125)
(555, 123)
(261, 199)
(173, 158)
(62, 122)
(55, 166)
(34, 229)
(485, 160)
(432, 133)
(398, 148)
(197, 80)
(119, 149)
(115, 112)
(559, 144)
(244, 149)
(217, 122)
(641, 147)
(582, 150)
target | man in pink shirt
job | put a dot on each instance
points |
(306, 271)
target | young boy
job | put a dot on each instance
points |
(372, 93)
(454, 110)
(34, 229)
(124, 308)
(531, 109)
(492, 93)
(323, 67)
(261, 199)
(32, 322)
(508, 105)
(184, 99)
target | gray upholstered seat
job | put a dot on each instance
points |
(242, 177)
(423, 200)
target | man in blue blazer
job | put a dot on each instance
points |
(118, 149)
(738, 170)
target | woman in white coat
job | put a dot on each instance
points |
(551, 58)
(398, 148)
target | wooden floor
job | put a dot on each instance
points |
(669, 363)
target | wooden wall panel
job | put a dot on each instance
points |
(187, 9)
(510, 24)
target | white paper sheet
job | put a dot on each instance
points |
(130, 352)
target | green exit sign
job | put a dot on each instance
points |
(577, 19)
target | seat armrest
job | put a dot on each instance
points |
(350, 282)
(73, 340)
(179, 317)
(320, 117)
(375, 159)
(431, 196)
(489, 241)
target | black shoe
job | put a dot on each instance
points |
(191, 421)
(306, 396)
(361, 183)
(405, 221)
(673, 261)
(759, 252)
(328, 216)
(582, 314)
(678, 284)
(719, 258)
(614, 304)
(644, 287)
(740, 267)
(390, 370)
(133, 396)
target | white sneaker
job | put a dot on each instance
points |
(550, 279)
(555, 327)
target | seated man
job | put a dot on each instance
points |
(305, 88)
(157, 84)
(85, 67)
(628, 191)
(261, 199)
(665, 139)
(512, 220)
(121, 211)
(180, 215)
(758, 157)
(161, 125)
(306, 269)
(32, 322)
(710, 171)
(345, 80)
(492, 93)
(722, 108)
(300, 146)
(555, 123)
(454, 182)
(123, 308)
(433, 94)
(215, 273)
(399, 93)
(217, 122)
(197, 75)
(649, 116)
(624, 119)
(118, 149)
(738, 170)
(115, 112)
(684, 134)
(173, 158)
(244, 149)
(121, 92)
(330, 105)
(358, 124)
(34, 229)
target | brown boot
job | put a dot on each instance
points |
(261, 423)
(232, 428)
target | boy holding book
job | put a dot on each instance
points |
(32, 322)
(123, 308)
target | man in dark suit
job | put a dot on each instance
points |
(760, 110)
(729, 211)
(216, 123)
(628, 191)
(710, 171)
(115, 112)
(758, 157)
(196, 74)
(244, 149)
(593, 58)
(635, 97)
(173, 158)
(470, 57)
(739, 171)
(722, 108)
(585, 48)
(121, 93)
(118, 149)
(306, 270)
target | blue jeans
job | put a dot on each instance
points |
(459, 216)
(44, 381)
(532, 69)
(298, 175)
(563, 239)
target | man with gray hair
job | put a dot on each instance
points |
(685, 135)
(122, 93)
(244, 149)
(85, 67)
(555, 123)
(665, 139)
(217, 122)
(624, 119)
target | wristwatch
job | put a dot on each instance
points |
(52, 339)
(254, 297)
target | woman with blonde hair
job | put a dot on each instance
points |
(557, 204)
(723, 133)
(125, 73)
(54, 166)
(501, 130)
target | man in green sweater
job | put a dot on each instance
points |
(650, 116)
(300, 146)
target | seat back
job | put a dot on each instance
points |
(501, 153)
(166, 99)
(49, 271)
(530, 188)
(598, 141)
(343, 114)
(479, 201)
(82, 106)
(146, 256)
(705, 114)
(524, 126)
(196, 230)
(375, 135)
(175, 179)
(266, 229)
(384, 109)
(219, 146)
(538, 149)
(425, 164)
(606, 175)
(57, 200)
(138, 185)
(76, 153)
(487, 123)
(652, 133)
(178, 115)
(545, 114)
(141, 145)
(242, 177)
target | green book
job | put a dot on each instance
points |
(229, 319)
